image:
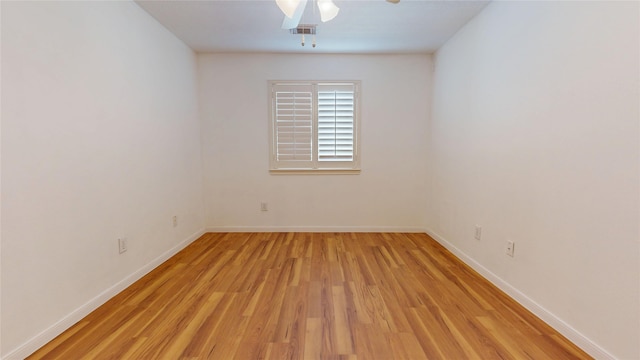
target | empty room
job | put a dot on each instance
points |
(320, 179)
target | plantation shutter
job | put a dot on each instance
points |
(293, 116)
(336, 122)
(314, 127)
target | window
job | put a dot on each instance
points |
(314, 126)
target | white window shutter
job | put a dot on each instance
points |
(335, 123)
(293, 128)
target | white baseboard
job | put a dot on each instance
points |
(379, 229)
(552, 320)
(63, 324)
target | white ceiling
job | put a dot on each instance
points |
(362, 26)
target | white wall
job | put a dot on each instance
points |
(534, 136)
(100, 139)
(389, 193)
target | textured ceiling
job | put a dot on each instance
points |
(362, 26)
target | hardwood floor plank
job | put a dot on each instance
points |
(404, 346)
(294, 296)
(344, 337)
(313, 339)
(354, 294)
(184, 337)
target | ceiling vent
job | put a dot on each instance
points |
(304, 29)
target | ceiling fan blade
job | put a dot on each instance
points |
(288, 7)
(292, 22)
(328, 10)
(393, 1)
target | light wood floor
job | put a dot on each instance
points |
(311, 296)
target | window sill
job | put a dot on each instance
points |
(314, 171)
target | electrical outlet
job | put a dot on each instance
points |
(263, 206)
(122, 245)
(478, 234)
(510, 248)
(174, 219)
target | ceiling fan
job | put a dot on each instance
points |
(293, 10)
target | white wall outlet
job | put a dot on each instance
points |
(122, 245)
(174, 219)
(510, 248)
(478, 234)
(264, 206)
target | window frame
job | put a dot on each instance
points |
(314, 166)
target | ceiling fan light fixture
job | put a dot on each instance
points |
(288, 7)
(328, 10)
